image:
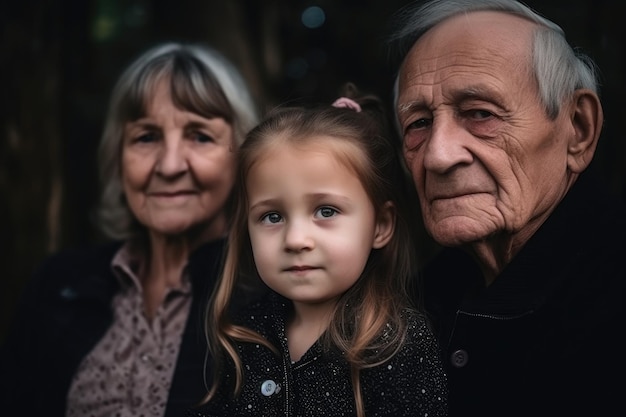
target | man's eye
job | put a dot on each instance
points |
(271, 218)
(479, 114)
(326, 212)
(420, 124)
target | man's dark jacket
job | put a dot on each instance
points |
(67, 309)
(547, 337)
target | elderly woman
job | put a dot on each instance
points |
(117, 330)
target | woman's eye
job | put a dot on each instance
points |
(271, 218)
(201, 137)
(146, 138)
(326, 212)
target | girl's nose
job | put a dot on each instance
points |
(298, 237)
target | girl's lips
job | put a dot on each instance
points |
(300, 268)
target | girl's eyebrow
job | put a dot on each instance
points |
(321, 196)
(270, 202)
(273, 202)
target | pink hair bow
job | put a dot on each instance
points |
(347, 103)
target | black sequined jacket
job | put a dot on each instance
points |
(411, 383)
(66, 311)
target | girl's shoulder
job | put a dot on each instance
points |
(418, 328)
(405, 339)
(412, 380)
(268, 302)
(411, 322)
(262, 313)
(410, 335)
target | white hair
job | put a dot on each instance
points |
(558, 68)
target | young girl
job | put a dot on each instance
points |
(320, 221)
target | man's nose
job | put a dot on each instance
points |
(447, 145)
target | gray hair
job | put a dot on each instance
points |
(559, 69)
(201, 80)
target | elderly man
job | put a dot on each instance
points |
(500, 119)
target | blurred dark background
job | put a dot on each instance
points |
(60, 58)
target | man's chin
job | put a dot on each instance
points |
(457, 233)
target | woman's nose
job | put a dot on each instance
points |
(172, 159)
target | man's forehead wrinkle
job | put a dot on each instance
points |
(470, 58)
(430, 76)
(459, 58)
(456, 62)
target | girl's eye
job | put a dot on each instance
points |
(271, 218)
(326, 212)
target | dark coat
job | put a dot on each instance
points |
(545, 338)
(412, 383)
(67, 309)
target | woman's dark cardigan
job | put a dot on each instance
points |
(66, 310)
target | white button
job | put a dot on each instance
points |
(268, 387)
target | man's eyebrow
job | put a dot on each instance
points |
(474, 92)
(478, 92)
(411, 105)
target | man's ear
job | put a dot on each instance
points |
(385, 225)
(587, 118)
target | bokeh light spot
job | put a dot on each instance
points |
(313, 17)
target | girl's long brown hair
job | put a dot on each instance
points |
(367, 323)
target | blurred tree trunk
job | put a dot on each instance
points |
(31, 178)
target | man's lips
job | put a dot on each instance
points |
(444, 190)
(447, 196)
(453, 195)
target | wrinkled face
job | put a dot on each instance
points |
(485, 157)
(177, 169)
(312, 225)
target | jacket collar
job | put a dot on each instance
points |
(99, 281)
